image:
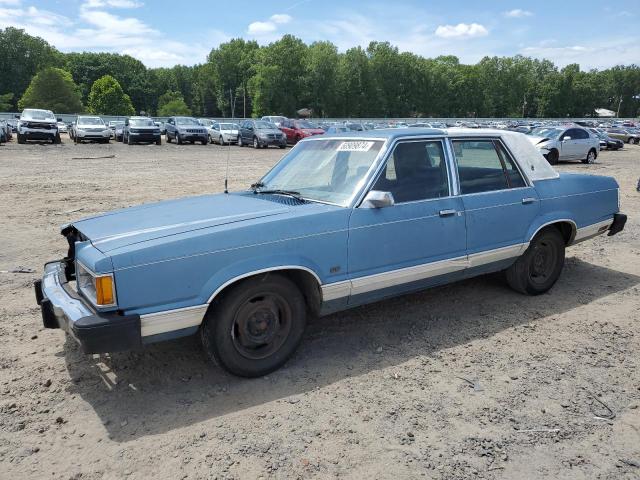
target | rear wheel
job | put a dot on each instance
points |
(591, 157)
(552, 157)
(256, 326)
(539, 267)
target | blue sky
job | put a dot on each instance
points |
(594, 34)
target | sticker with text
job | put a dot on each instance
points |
(355, 146)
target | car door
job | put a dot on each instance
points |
(420, 239)
(287, 128)
(499, 204)
(571, 144)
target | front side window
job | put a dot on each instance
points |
(331, 171)
(415, 171)
(484, 166)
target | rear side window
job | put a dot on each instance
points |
(484, 166)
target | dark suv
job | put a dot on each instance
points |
(141, 129)
(186, 129)
(260, 134)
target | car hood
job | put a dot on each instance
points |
(121, 228)
(145, 127)
(537, 140)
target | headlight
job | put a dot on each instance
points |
(99, 289)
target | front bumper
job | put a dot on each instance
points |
(96, 332)
(38, 133)
(144, 136)
(272, 141)
(93, 135)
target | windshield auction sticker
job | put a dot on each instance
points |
(355, 146)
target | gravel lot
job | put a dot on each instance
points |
(470, 380)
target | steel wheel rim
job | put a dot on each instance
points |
(543, 261)
(261, 325)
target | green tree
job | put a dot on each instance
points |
(22, 57)
(321, 65)
(172, 103)
(6, 102)
(108, 98)
(52, 89)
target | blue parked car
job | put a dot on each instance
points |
(342, 220)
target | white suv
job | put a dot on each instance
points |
(37, 124)
(565, 143)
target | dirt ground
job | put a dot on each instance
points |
(470, 380)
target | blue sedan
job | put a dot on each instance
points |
(342, 220)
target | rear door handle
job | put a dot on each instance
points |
(528, 200)
(447, 213)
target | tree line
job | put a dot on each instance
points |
(246, 79)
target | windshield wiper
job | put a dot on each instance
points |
(255, 186)
(289, 193)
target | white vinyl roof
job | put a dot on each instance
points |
(531, 161)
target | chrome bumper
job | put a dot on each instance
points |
(96, 332)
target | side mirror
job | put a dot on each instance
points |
(564, 139)
(378, 199)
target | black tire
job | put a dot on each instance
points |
(282, 146)
(178, 139)
(205, 141)
(168, 137)
(552, 157)
(76, 139)
(591, 156)
(221, 140)
(539, 267)
(21, 139)
(256, 143)
(126, 140)
(240, 142)
(56, 139)
(159, 141)
(256, 326)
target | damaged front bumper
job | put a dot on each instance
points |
(62, 307)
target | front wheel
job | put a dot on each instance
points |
(591, 157)
(539, 267)
(168, 137)
(178, 139)
(552, 157)
(256, 144)
(240, 142)
(256, 326)
(159, 141)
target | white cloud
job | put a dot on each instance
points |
(270, 26)
(13, 3)
(518, 13)
(281, 18)
(462, 30)
(112, 3)
(260, 28)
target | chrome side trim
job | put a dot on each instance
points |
(333, 291)
(170, 320)
(406, 275)
(497, 255)
(258, 272)
(590, 231)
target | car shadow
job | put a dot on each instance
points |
(170, 385)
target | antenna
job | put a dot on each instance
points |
(226, 175)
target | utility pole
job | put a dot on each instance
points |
(619, 103)
(524, 103)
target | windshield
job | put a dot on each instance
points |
(141, 122)
(545, 132)
(305, 124)
(229, 126)
(186, 121)
(206, 122)
(116, 122)
(90, 121)
(38, 115)
(329, 171)
(261, 125)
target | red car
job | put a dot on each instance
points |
(298, 129)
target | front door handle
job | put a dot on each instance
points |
(447, 213)
(528, 200)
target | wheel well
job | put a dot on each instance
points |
(566, 229)
(306, 281)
